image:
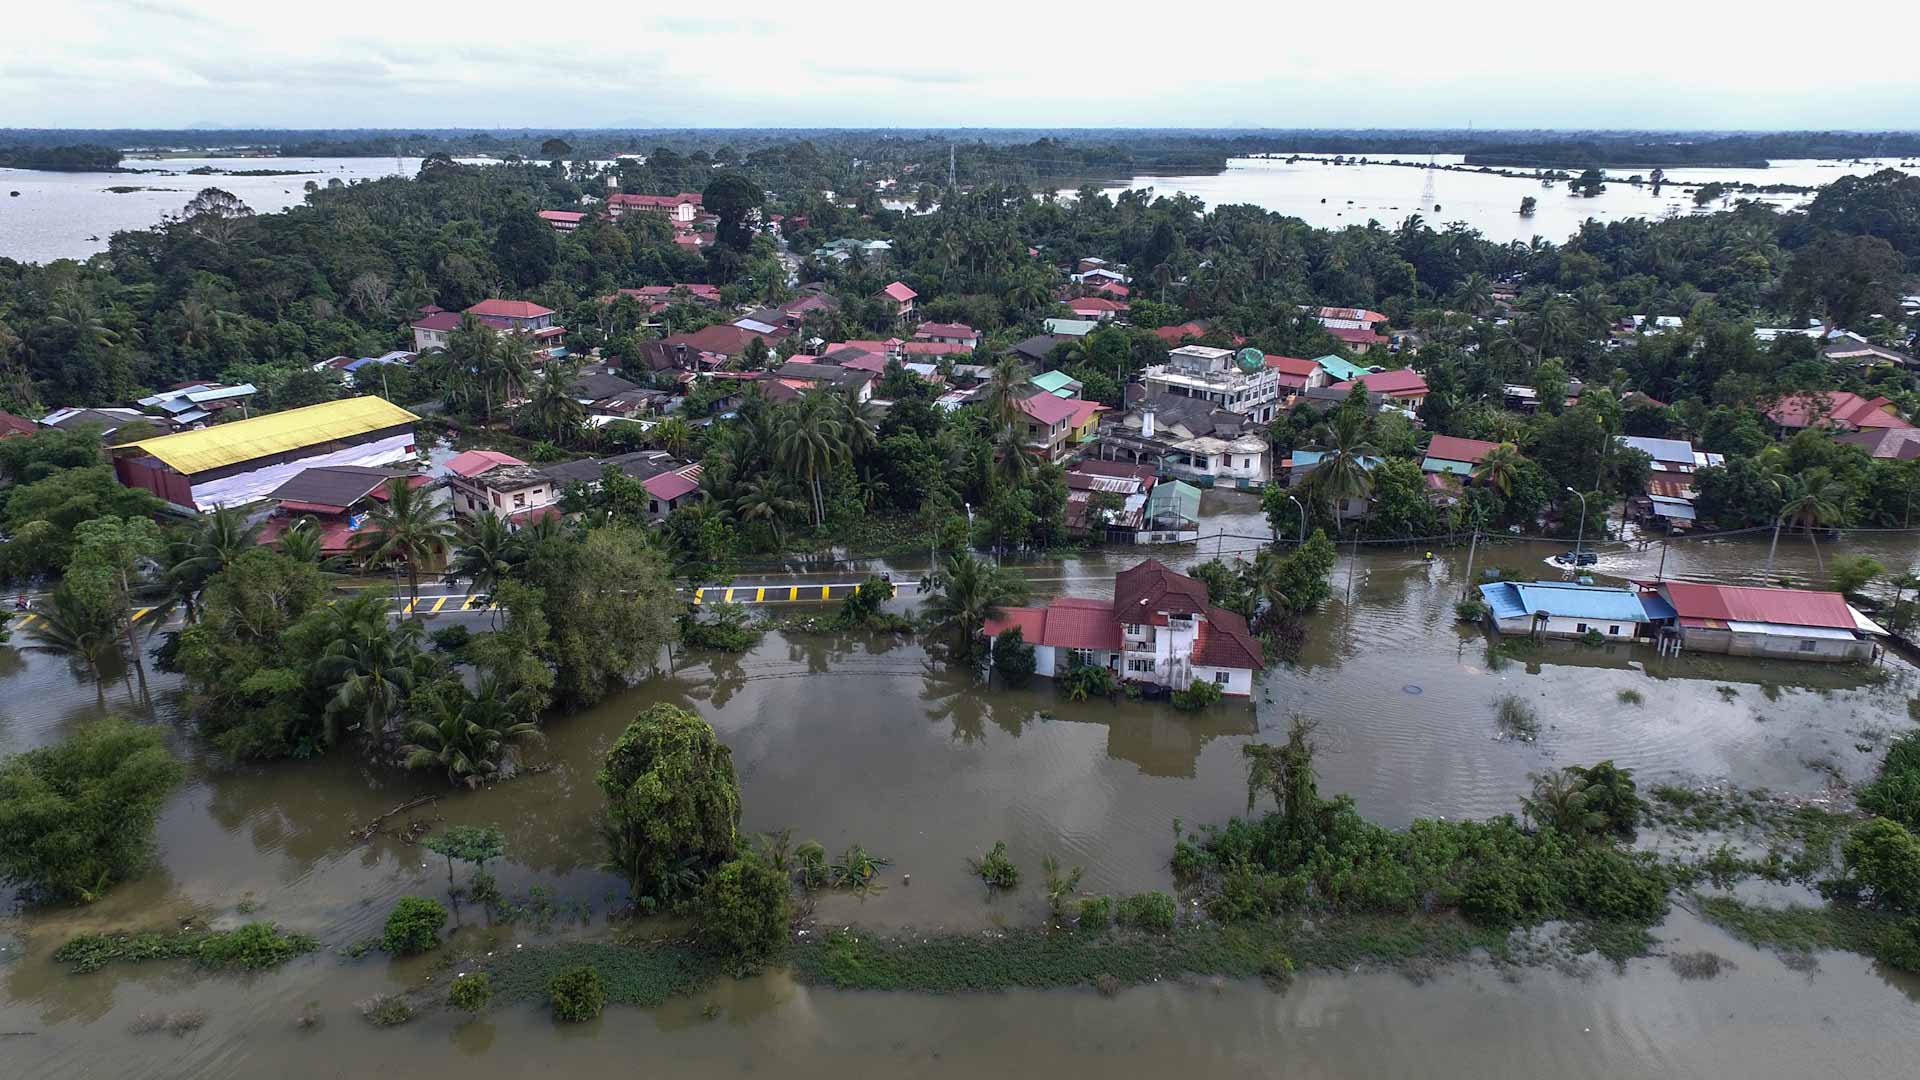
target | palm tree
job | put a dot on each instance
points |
(370, 669)
(1003, 393)
(1012, 465)
(1500, 468)
(470, 361)
(552, 409)
(1560, 802)
(1342, 474)
(464, 734)
(69, 627)
(486, 554)
(301, 542)
(809, 442)
(1814, 497)
(1552, 326)
(672, 434)
(971, 592)
(767, 498)
(1475, 296)
(513, 363)
(859, 430)
(406, 527)
(1268, 576)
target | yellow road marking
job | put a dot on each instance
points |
(728, 598)
(408, 610)
(826, 591)
(793, 593)
(438, 604)
(699, 595)
(759, 594)
(28, 619)
(138, 615)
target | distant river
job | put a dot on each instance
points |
(71, 215)
(1335, 196)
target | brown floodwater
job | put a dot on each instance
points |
(851, 739)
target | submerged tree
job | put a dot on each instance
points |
(673, 805)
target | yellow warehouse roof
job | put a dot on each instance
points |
(191, 452)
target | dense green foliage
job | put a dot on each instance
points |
(413, 926)
(996, 868)
(1013, 658)
(252, 947)
(77, 817)
(744, 911)
(673, 805)
(1895, 790)
(470, 991)
(1145, 911)
(1197, 695)
(577, 995)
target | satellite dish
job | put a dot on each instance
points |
(1250, 360)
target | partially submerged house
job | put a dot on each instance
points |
(333, 499)
(1565, 609)
(1742, 620)
(1159, 629)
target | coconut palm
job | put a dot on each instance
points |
(470, 362)
(1012, 465)
(68, 626)
(464, 733)
(370, 670)
(767, 499)
(406, 527)
(512, 363)
(551, 408)
(1500, 468)
(1814, 498)
(809, 441)
(302, 542)
(1003, 392)
(1342, 473)
(1552, 326)
(859, 429)
(486, 553)
(1475, 295)
(671, 434)
(1561, 802)
(971, 592)
(1027, 293)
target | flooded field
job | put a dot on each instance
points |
(860, 739)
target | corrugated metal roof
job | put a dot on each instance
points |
(191, 452)
(1784, 630)
(1518, 599)
(1788, 607)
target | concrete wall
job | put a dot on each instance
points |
(1776, 646)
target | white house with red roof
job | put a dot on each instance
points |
(1098, 308)
(1295, 374)
(1841, 409)
(435, 326)
(491, 482)
(682, 208)
(899, 298)
(1055, 427)
(947, 334)
(563, 220)
(1405, 387)
(1159, 629)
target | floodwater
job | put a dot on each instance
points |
(1334, 196)
(860, 739)
(71, 215)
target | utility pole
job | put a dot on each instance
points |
(953, 180)
(1581, 535)
(1665, 543)
(1473, 545)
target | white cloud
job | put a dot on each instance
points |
(1202, 63)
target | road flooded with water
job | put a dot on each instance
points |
(861, 739)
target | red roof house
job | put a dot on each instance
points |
(1402, 384)
(1158, 629)
(1836, 408)
(509, 309)
(1451, 448)
(471, 463)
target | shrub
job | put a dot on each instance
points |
(725, 628)
(995, 868)
(470, 991)
(1276, 967)
(1593, 639)
(577, 994)
(452, 639)
(1197, 696)
(1469, 611)
(1883, 859)
(1146, 911)
(1895, 790)
(1900, 945)
(252, 947)
(77, 817)
(1096, 913)
(413, 926)
(1013, 657)
(1630, 697)
(386, 1010)
(862, 607)
(1089, 681)
(744, 911)
(1516, 716)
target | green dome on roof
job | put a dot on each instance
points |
(1250, 360)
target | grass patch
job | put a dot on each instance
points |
(252, 947)
(633, 974)
(386, 1010)
(1699, 965)
(1799, 929)
(1630, 697)
(1516, 717)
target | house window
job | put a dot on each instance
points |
(1220, 678)
(519, 498)
(1613, 630)
(1140, 666)
(1079, 658)
(496, 498)
(1809, 646)
(653, 506)
(1580, 628)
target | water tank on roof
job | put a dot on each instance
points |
(1251, 360)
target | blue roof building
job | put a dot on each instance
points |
(1564, 609)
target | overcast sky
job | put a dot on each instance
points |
(832, 63)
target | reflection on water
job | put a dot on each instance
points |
(861, 739)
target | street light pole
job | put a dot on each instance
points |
(1580, 535)
(1303, 521)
